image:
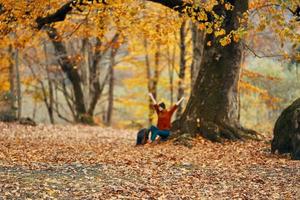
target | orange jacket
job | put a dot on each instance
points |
(164, 117)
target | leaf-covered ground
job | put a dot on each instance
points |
(79, 162)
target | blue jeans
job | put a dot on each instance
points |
(164, 134)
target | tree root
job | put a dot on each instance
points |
(237, 132)
(217, 131)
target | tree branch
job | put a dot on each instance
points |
(276, 5)
(59, 15)
(185, 8)
(260, 56)
(176, 5)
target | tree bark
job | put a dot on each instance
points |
(149, 82)
(94, 83)
(171, 69)
(182, 67)
(12, 78)
(212, 109)
(111, 87)
(18, 81)
(198, 45)
(50, 88)
(156, 69)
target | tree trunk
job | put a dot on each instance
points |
(156, 70)
(111, 88)
(171, 69)
(149, 82)
(50, 88)
(12, 78)
(212, 109)
(71, 72)
(198, 45)
(182, 67)
(84, 65)
(18, 80)
(94, 73)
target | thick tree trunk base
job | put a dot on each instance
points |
(214, 131)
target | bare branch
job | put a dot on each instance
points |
(272, 5)
(260, 56)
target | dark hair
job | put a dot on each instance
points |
(162, 104)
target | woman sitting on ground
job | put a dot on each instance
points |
(164, 120)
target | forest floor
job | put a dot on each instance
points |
(79, 162)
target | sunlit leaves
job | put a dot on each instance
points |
(209, 30)
(225, 40)
(220, 32)
(228, 6)
(202, 16)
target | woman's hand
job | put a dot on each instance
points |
(179, 102)
(152, 98)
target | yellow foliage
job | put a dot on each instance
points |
(225, 40)
(202, 16)
(264, 94)
(220, 32)
(228, 6)
(4, 85)
(209, 30)
(255, 75)
(201, 26)
(236, 38)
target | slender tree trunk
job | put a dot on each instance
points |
(212, 109)
(171, 68)
(94, 73)
(297, 72)
(239, 92)
(50, 88)
(84, 68)
(34, 110)
(182, 67)
(111, 87)
(156, 70)
(152, 77)
(18, 80)
(12, 78)
(149, 82)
